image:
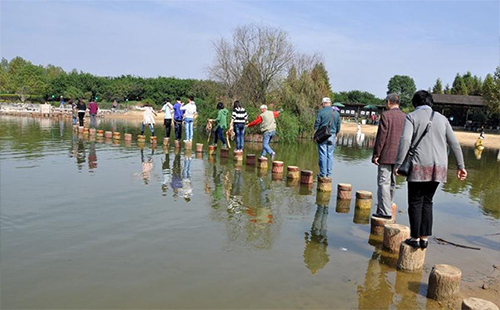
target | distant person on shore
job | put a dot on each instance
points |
(268, 128)
(221, 123)
(389, 133)
(238, 119)
(178, 115)
(115, 105)
(168, 111)
(81, 107)
(189, 110)
(327, 118)
(148, 118)
(429, 165)
(62, 103)
(93, 113)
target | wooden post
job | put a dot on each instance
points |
(293, 172)
(444, 282)
(324, 184)
(323, 198)
(116, 135)
(262, 163)
(361, 216)
(100, 133)
(224, 152)
(394, 234)
(251, 159)
(277, 176)
(378, 224)
(343, 205)
(278, 167)
(127, 137)
(153, 140)
(199, 147)
(92, 131)
(80, 129)
(473, 303)
(344, 191)
(238, 155)
(108, 134)
(410, 259)
(364, 200)
(188, 145)
(166, 142)
(177, 144)
(306, 177)
(141, 138)
(212, 149)
(127, 143)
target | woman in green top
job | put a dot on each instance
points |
(221, 123)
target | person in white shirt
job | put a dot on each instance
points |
(189, 113)
(168, 110)
(147, 118)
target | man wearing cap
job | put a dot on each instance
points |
(268, 128)
(327, 116)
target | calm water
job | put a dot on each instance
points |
(91, 224)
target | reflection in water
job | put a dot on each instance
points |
(376, 291)
(92, 157)
(147, 166)
(80, 155)
(176, 175)
(236, 198)
(187, 185)
(166, 173)
(315, 251)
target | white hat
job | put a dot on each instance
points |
(326, 99)
(262, 107)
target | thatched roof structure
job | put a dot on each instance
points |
(459, 100)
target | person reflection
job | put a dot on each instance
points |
(376, 291)
(92, 157)
(80, 156)
(261, 215)
(236, 198)
(176, 175)
(166, 173)
(187, 186)
(315, 251)
(218, 191)
(147, 166)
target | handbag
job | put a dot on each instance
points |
(406, 166)
(323, 133)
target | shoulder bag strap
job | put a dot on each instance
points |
(330, 122)
(427, 128)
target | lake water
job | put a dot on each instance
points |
(92, 224)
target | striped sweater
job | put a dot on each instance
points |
(239, 115)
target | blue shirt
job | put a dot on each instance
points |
(324, 117)
(178, 113)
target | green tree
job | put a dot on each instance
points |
(459, 87)
(404, 86)
(438, 87)
(491, 92)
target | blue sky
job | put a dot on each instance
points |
(363, 43)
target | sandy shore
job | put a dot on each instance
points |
(491, 141)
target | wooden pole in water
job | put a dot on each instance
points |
(166, 142)
(141, 138)
(199, 147)
(80, 129)
(212, 149)
(277, 176)
(278, 167)
(324, 184)
(224, 152)
(343, 205)
(92, 131)
(473, 303)
(293, 172)
(444, 282)
(188, 145)
(410, 259)
(100, 133)
(238, 155)
(127, 137)
(306, 177)
(394, 235)
(177, 144)
(262, 163)
(251, 159)
(364, 200)
(108, 134)
(344, 191)
(116, 135)
(153, 140)
(378, 224)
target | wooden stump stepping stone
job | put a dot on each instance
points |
(410, 259)
(394, 235)
(444, 282)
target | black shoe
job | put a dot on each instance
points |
(387, 217)
(424, 244)
(413, 243)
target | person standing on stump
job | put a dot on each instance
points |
(221, 123)
(389, 133)
(93, 108)
(81, 107)
(268, 128)
(329, 118)
(238, 119)
(178, 115)
(429, 165)
(168, 110)
(148, 118)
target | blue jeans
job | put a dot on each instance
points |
(239, 130)
(325, 151)
(74, 120)
(188, 123)
(219, 134)
(150, 127)
(266, 138)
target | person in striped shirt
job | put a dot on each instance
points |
(238, 120)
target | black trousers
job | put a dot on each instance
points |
(168, 126)
(81, 115)
(420, 196)
(178, 129)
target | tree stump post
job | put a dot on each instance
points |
(293, 172)
(378, 224)
(343, 205)
(410, 259)
(364, 200)
(277, 167)
(394, 234)
(444, 282)
(199, 147)
(224, 152)
(324, 184)
(92, 131)
(306, 177)
(344, 191)
(80, 129)
(323, 198)
(188, 145)
(166, 142)
(212, 149)
(100, 133)
(108, 134)
(238, 155)
(127, 137)
(277, 176)
(473, 303)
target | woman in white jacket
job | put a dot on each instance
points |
(147, 118)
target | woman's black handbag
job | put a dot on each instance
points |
(406, 166)
(323, 133)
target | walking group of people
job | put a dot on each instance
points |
(78, 110)
(180, 113)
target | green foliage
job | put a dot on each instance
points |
(491, 96)
(288, 127)
(357, 96)
(459, 87)
(438, 87)
(404, 86)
